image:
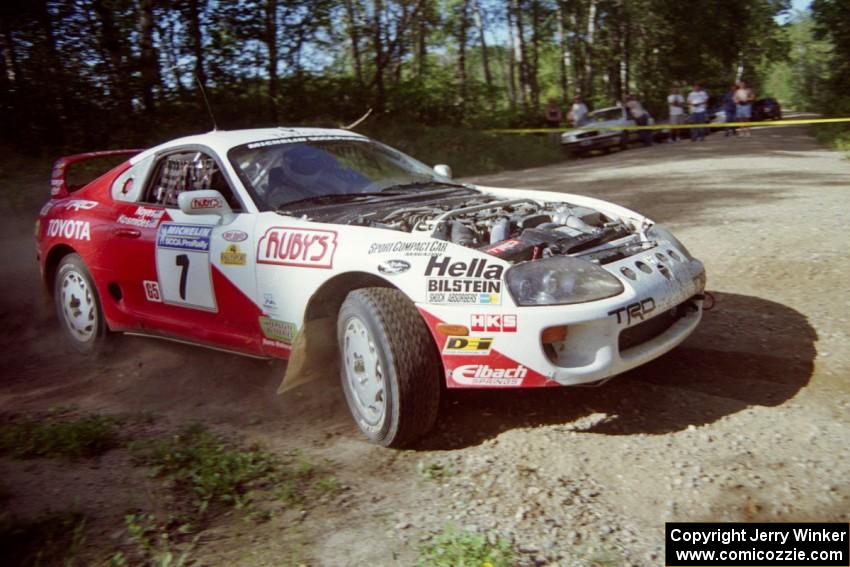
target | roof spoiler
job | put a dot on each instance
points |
(58, 184)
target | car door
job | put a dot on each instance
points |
(189, 275)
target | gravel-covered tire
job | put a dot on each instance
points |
(78, 306)
(389, 366)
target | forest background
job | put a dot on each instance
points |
(78, 75)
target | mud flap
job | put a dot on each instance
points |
(314, 354)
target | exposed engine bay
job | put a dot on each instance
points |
(511, 229)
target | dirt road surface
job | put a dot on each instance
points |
(747, 420)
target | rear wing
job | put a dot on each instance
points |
(59, 187)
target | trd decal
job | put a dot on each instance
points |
(633, 311)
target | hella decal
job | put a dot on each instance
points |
(484, 375)
(234, 235)
(474, 282)
(493, 323)
(390, 267)
(72, 229)
(309, 248)
(468, 345)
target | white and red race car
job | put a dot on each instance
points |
(241, 240)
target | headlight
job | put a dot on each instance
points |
(661, 233)
(560, 281)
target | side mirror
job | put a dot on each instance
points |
(205, 202)
(444, 170)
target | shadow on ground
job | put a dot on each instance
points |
(747, 352)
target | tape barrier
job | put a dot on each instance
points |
(670, 126)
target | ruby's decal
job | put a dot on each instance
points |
(234, 235)
(309, 248)
(488, 323)
(71, 229)
(205, 203)
(484, 375)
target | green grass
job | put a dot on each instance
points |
(467, 151)
(58, 438)
(834, 135)
(434, 470)
(54, 539)
(453, 548)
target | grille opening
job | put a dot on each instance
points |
(646, 331)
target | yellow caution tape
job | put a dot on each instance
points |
(670, 126)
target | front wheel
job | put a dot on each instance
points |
(78, 306)
(389, 367)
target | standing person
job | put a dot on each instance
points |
(578, 112)
(676, 103)
(641, 118)
(697, 100)
(744, 99)
(553, 114)
(730, 110)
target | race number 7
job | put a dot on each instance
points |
(183, 269)
(183, 261)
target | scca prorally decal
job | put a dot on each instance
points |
(407, 248)
(484, 375)
(468, 345)
(391, 267)
(67, 228)
(234, 235)
(282, 331)
(80, 205)
(233, 256)
(638, 310)
(308, 248)
(205, 203)
(473, 282)
(184, 237)
(485, 322)
(143, 217)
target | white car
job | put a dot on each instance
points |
(244, 240)
(581, 142)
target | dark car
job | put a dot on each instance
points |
(767, 109)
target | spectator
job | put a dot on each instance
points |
(730, 110)
(641, 118)
(676, 103)
(578, 112)
(553, 114)
(697, 100)
(744, 99)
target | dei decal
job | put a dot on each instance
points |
(476, 281)
(71, 229)
(468, 345)
(183, 265)
(484, 375)
(305, 247)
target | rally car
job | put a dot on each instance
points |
(244, 240)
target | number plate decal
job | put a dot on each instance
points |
(183, 265)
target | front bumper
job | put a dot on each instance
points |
(660, 307)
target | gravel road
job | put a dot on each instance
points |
(747, 420)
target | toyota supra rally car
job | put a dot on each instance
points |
(242, 240)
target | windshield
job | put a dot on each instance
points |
(278, 172)
(606, 115)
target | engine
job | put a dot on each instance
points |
(518, 229)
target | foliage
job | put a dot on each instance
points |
(452, 548)
(80, 438)
(55, 539)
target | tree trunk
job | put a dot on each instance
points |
(534, 63)
(55, 72)
(461, 52)
(378, 46)
(563, 51)
(625, 54)
(588, 57)
(148, 59)
(196, 40)
(354, 37)
(512, 59)
(119, 75)
(522, 54)
(422, 21)
(479, 24)
(270, 39)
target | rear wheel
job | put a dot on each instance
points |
(389, 368)
(78, 306)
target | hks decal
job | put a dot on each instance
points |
(493, 323)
